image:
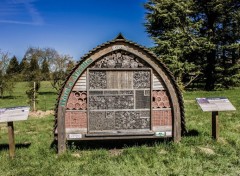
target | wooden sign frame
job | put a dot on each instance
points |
(10, 115)
(214, 105)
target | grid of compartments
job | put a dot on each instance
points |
(119, 100)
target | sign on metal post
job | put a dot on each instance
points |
(214, 105)
(10, 115)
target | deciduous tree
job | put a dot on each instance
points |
(6, 83)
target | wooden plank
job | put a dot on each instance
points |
(120, 134)
(81, 84)
(61, 131)
(119, 80)
(11, 139)
(157, 84)
(119, 138)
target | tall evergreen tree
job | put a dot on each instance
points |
(34, 71)
(24, 65)
(13, 66)
(196, 38)
(45, 70)
(24, 69)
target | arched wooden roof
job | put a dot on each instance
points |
(123, 44)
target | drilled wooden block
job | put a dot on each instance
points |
(68, 119)
(162, 118)
(72, 100)
(77, 101)
(76, 119)
(160, 99)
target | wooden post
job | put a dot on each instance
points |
(34, 96)
(11, 139)
(61, 131)
(215, 127)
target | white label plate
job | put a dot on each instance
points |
(74, 136)
(160, 134)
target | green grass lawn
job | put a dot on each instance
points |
(196, 154)
(46, 96)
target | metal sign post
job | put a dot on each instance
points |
(214, 105)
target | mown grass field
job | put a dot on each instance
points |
(196, 154)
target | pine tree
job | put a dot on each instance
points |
(13, 66)
(45, 70)
(196, 38)
(34, 70)
(24, 65)
(24, 69)
(34, 73)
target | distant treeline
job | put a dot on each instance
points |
(38, 64)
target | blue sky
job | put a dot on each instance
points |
(70, 26)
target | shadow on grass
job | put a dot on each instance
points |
(47, 93)
(110, 144)
(192, 133)
(9, 97)
(17, 146)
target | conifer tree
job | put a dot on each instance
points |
(24, 65)
(197, 39)
(13, 66)
(45, 70)
(24, 69)
(34, 73)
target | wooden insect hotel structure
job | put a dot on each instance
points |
(119, 90)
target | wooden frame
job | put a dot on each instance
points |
(120, 44)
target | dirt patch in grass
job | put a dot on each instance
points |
(77, 155)
(115, 152)
(41, 114)
(206, 150)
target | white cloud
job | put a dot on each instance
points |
(11, 11)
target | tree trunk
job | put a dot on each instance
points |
(211, 56)
(210, 70)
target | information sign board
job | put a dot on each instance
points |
(14, 114)
(215, 104)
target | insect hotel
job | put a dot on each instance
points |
(119, 90)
